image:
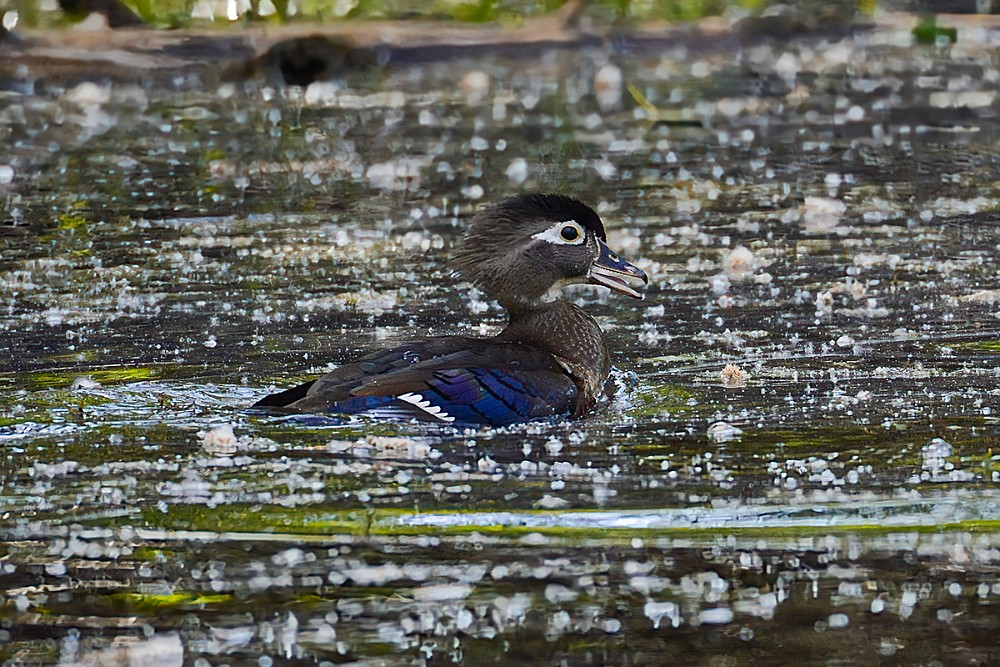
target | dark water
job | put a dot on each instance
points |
(173, 247)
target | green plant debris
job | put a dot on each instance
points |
(661, 398)
(656, 116)
(152, 554)
(69, 222)
(992, 346)
(177, 13)
(366, 524)
(150, 603)
(929, 32)
(104, 376)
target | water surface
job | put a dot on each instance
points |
(176, 245)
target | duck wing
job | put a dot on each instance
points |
(452, 380)
(313, 396)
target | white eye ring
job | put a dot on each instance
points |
(557, 233)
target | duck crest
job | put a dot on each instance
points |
(551, 360)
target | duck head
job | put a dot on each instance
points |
(524, 250)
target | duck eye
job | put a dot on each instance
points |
(569, 233)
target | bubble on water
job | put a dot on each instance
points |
(322, 93)
(517, 171)
(821, 215)
(442, 592)
(593, 121)
(84, 382)
(839, 620)
(220, 440)
(963, 99)
(716, 616)
(557, 593)
(612, 626)
(725, 301)
(732, 376)
(720, 284)
(558, 623)
(289, 558)
(9, 19)
(987, 296)
(499, 111)
(657, 611)
(401, 174)
(427, 118)
(787, 66)
(700, 69)
(88, 94)
(57, 569)
(739, 263)
(194, 114)
(550, 502)
(474, 191)
(935, 454)
(474, 86)
(724, 432)
(530, 101)
(833, 180)
(732, 107)
(605, 169)
(824, 303)
(534, 539)
(608, 87)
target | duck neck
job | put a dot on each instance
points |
(565, 330)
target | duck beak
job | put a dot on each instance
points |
(610, 270)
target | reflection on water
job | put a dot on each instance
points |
(796, 461)
(483, 596)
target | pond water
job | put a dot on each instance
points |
(175, 245)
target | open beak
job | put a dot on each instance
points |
(610, 270)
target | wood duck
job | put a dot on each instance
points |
(550, 361)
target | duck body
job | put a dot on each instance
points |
(449, 380)
(551, 360)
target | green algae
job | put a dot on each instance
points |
(70, 222)
(43, 406)
(991, 346)
(250, 519)
(929, 32)
(177, 13)
(149, 603)
(621, 536)
(660, 399)
(151, 554)
(372, 524)
(65, 378)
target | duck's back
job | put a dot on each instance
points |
(450, 380)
